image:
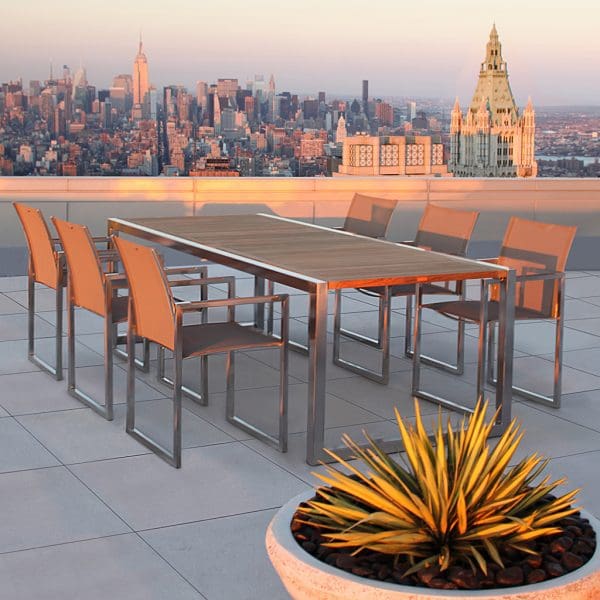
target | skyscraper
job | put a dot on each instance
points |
(493, 140)
(140, 76)
(365, 97)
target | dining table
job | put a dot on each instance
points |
(317, 260)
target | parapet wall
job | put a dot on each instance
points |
(91, 200)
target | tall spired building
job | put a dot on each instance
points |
(493, 139)
(140, 77)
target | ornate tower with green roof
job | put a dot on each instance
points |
(492, 139)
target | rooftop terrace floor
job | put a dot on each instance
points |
(85, 511)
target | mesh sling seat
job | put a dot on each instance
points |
(369, 216)
(155, 315)
(441, 229)
(538, 253)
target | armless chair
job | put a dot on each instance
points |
(46, 266)
(369, 216)
(538, 253)
(441, 229)
(155, 315)
(91, 288)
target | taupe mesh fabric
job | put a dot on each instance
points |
(85, 272)
(446, 229)
(152, 297)
(369, 216)
(532, 247)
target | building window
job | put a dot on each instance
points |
(361, 155)
(389, 155)
(415, 155)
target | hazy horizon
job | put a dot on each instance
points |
(431, 51)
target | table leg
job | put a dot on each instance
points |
(259, 309)
(506, 327)
(317, 366)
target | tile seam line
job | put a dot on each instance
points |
(131, 529)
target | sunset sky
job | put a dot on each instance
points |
(429, 48)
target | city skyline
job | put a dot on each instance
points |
(320, 47)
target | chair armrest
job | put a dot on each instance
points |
(116, 281)
(544, 276)
(199, 305)
(190, 269)
(229, 279)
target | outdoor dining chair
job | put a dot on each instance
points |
(155, 315)
(441, 229)
(46, 266)
(538, 253)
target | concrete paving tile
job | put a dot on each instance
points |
(122, 566)
(14, 327)
(207, 566)
(50, 506)
(550, 435)
(9, 307)
(260, 407)
(580, 470)
(536, 373)
(214, 481)
(25, 393)
(91, 381)
(10, 284)
(581, 309)
(539, 337)
(584, 360)
(19, 450)
(45, 298)
(582, 408)
(591, 326)
(582, 287)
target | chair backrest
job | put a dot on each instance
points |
(446, 230)
(153, 306)
(42, 254)
(533, 247)
(86, 278)
(369, 216)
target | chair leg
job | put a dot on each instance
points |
(56, 369)
(359, 337)
(417, 391)
(481, 349)
(384, 313)
(459, 367)
(108, 366)
(199, 398)
(555, 400)
(106, 409)
(177, 390)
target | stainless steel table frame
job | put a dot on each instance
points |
(316, 260)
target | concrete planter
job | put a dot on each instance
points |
(307, 578)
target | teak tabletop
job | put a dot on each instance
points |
(338, 258)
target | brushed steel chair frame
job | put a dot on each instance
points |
(486, 344)
(180, 309)
(202, 396)
(437, 241)
(537, 252)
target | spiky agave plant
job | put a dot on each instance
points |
(452, 501)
